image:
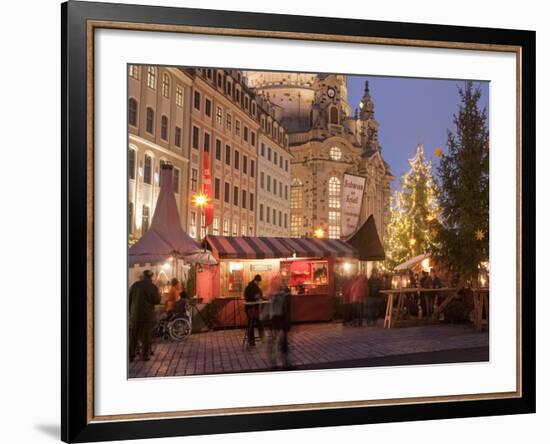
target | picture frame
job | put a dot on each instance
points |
(80, 21)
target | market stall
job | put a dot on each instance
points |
(164, 248)
(306, 265)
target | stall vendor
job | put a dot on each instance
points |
(253, 295)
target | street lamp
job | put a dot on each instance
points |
(319, 233)
(200, 200)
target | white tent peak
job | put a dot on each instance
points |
(165, 237)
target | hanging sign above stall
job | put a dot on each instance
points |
(352, 199)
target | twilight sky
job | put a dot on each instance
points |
(411, 111)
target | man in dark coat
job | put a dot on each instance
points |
(280, 325)
(143, 297)
(252, 296)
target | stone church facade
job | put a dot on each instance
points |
(327, 139)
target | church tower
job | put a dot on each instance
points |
(368, 125)
(330, 106)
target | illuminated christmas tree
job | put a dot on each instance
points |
(414, 214)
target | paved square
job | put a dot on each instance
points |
(324, 345)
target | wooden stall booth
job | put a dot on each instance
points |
(306, 265)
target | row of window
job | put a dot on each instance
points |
(334, 203)
(271, 216)
(247, 133)
(232, 89)
(273, 155)
(152, 82)
(274, 187)
(150, 122)
(145, 216)
(234, 232)
(248, 165)
(146, 170)
(275, 131)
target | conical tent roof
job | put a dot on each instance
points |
(367, 242)
(165, 237)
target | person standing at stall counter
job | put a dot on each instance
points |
(143, 297)
(253, 295)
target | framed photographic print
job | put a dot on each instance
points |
(276, 221)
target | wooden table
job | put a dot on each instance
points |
(389, 320)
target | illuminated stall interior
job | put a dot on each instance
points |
(306, 265)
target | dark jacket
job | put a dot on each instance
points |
(252, 292)
(144, 295)
(280, 308)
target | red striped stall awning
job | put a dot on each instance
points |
(246, 247)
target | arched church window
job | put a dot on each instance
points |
(335, 153)
(334, 192)
(296, 194)
(334, 115)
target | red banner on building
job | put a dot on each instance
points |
(207, 190)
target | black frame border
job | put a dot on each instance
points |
(75, 424)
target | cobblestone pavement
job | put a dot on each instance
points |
(310, 345)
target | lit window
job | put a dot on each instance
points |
(296, 194)
(134, 71)
(225, 227)
(193, 225)
(152, 77)
(166, 85)
(219, 115)
(179, 96)
(228, 120)
(334, 224)
(334, 192)
(295, 225)
(216, 225)
(335, 153)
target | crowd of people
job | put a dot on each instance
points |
(363, 303)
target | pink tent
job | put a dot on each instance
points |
(165, 237)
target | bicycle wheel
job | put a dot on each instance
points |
(180, 329)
